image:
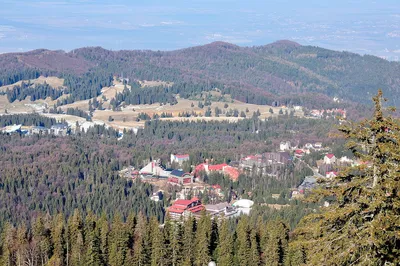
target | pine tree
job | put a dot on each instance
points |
(104, 235)
(177, 244)
(225, 247)
(168, 233)
(118, 242)
(141, 242)
(202, 249)
(75, 244)
(58, 241)
(188, 241)
(93, 253)
(255, 254)
(41, 238)
(243, 255)
(157, 247)
(7, 245)
(21, 245)
(271, 252)
(362, 225)
(295, 255)
(214, 239)
(276, 242)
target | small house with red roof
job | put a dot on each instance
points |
(179, 158)
(329, 158)
(185, 208)
(331, 174)
(299, 153)
(216, 188)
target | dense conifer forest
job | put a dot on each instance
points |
(137, 240)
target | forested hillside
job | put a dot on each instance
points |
(283, 71)
(60, 174)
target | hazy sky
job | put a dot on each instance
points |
(362, 26)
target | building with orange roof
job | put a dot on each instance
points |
(223, 168)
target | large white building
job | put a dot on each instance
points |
(285, 146)
(179, 158)
(243, 206)
(154, 168)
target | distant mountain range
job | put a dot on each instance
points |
(285, 71)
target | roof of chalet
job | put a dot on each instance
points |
(180, 206)
(181, 156)
(332, 172)
(232, 172)
(252, 157)
(185, 202)
(199, 167)
(217, 207)
(12, 128)
(330, 155)
(217, 167)
(309, 182)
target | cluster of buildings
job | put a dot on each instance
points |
(300, 151)
(57, 129)
(190, 183)
(316, 113)
(328, 167)
(155, 169)
(265, 163)
(183, 208)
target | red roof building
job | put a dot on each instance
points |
(185, 208)
(178, 177)
(298, 153)
(216, 186)
(329, 158)
(217, 167)
(331, 174)
(232, 172)
(223, 168)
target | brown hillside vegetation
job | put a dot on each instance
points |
(284, 70)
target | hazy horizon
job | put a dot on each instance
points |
(365, 27)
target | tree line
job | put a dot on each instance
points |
(39, 91)
(137, 240)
